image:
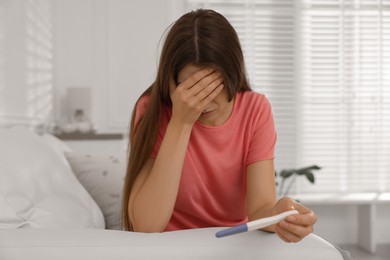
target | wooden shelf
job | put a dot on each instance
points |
(89, 136)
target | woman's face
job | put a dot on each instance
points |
(219, 109)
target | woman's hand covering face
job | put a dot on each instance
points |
(193, 95)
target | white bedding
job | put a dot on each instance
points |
(62, 220)
(40, 244)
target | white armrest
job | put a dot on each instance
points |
(194, 244)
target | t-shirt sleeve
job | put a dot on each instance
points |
(262, 144)
(139, 112)
(140, 109)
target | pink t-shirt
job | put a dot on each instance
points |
(212, 188)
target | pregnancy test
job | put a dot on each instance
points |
(255, 224)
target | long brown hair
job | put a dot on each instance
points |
(203, 38)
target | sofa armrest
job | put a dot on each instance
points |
(196, 244)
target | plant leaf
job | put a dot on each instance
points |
(314, 167)
(310, 177)
(305, 170)
(302, 171)
(286, 173)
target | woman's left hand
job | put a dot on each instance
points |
(295, 227)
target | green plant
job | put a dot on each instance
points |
(287, 173)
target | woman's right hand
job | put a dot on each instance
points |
(192, 97)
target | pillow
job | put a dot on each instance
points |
(103, 177)
(59, 146)
(56, 143)
(38, 188)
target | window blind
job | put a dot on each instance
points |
(26, 63)
(325, 66)
(39, 59)
(345, 91)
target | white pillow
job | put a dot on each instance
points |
(38, 188)
(56, 143)
(103, 177)
(59, 146)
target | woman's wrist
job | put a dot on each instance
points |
(179, 126)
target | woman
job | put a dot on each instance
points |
(202, 143)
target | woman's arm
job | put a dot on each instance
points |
(262, 202)
(261, 196)
(154, 192)
(153, 195)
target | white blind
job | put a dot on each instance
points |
(26, 63)
(345, 93)
(39, 58)
(325, 65)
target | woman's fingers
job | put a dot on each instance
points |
(203, 104)
(303, 219)
(295, 227)
(192, 80)
(200, 89)
(286, 235)
(209, 89)
(205, 82)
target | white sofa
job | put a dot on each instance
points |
(55, 204)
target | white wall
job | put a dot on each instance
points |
(112, 47)
(26, 63)
(2, 58)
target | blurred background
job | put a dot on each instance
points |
(75, 68)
